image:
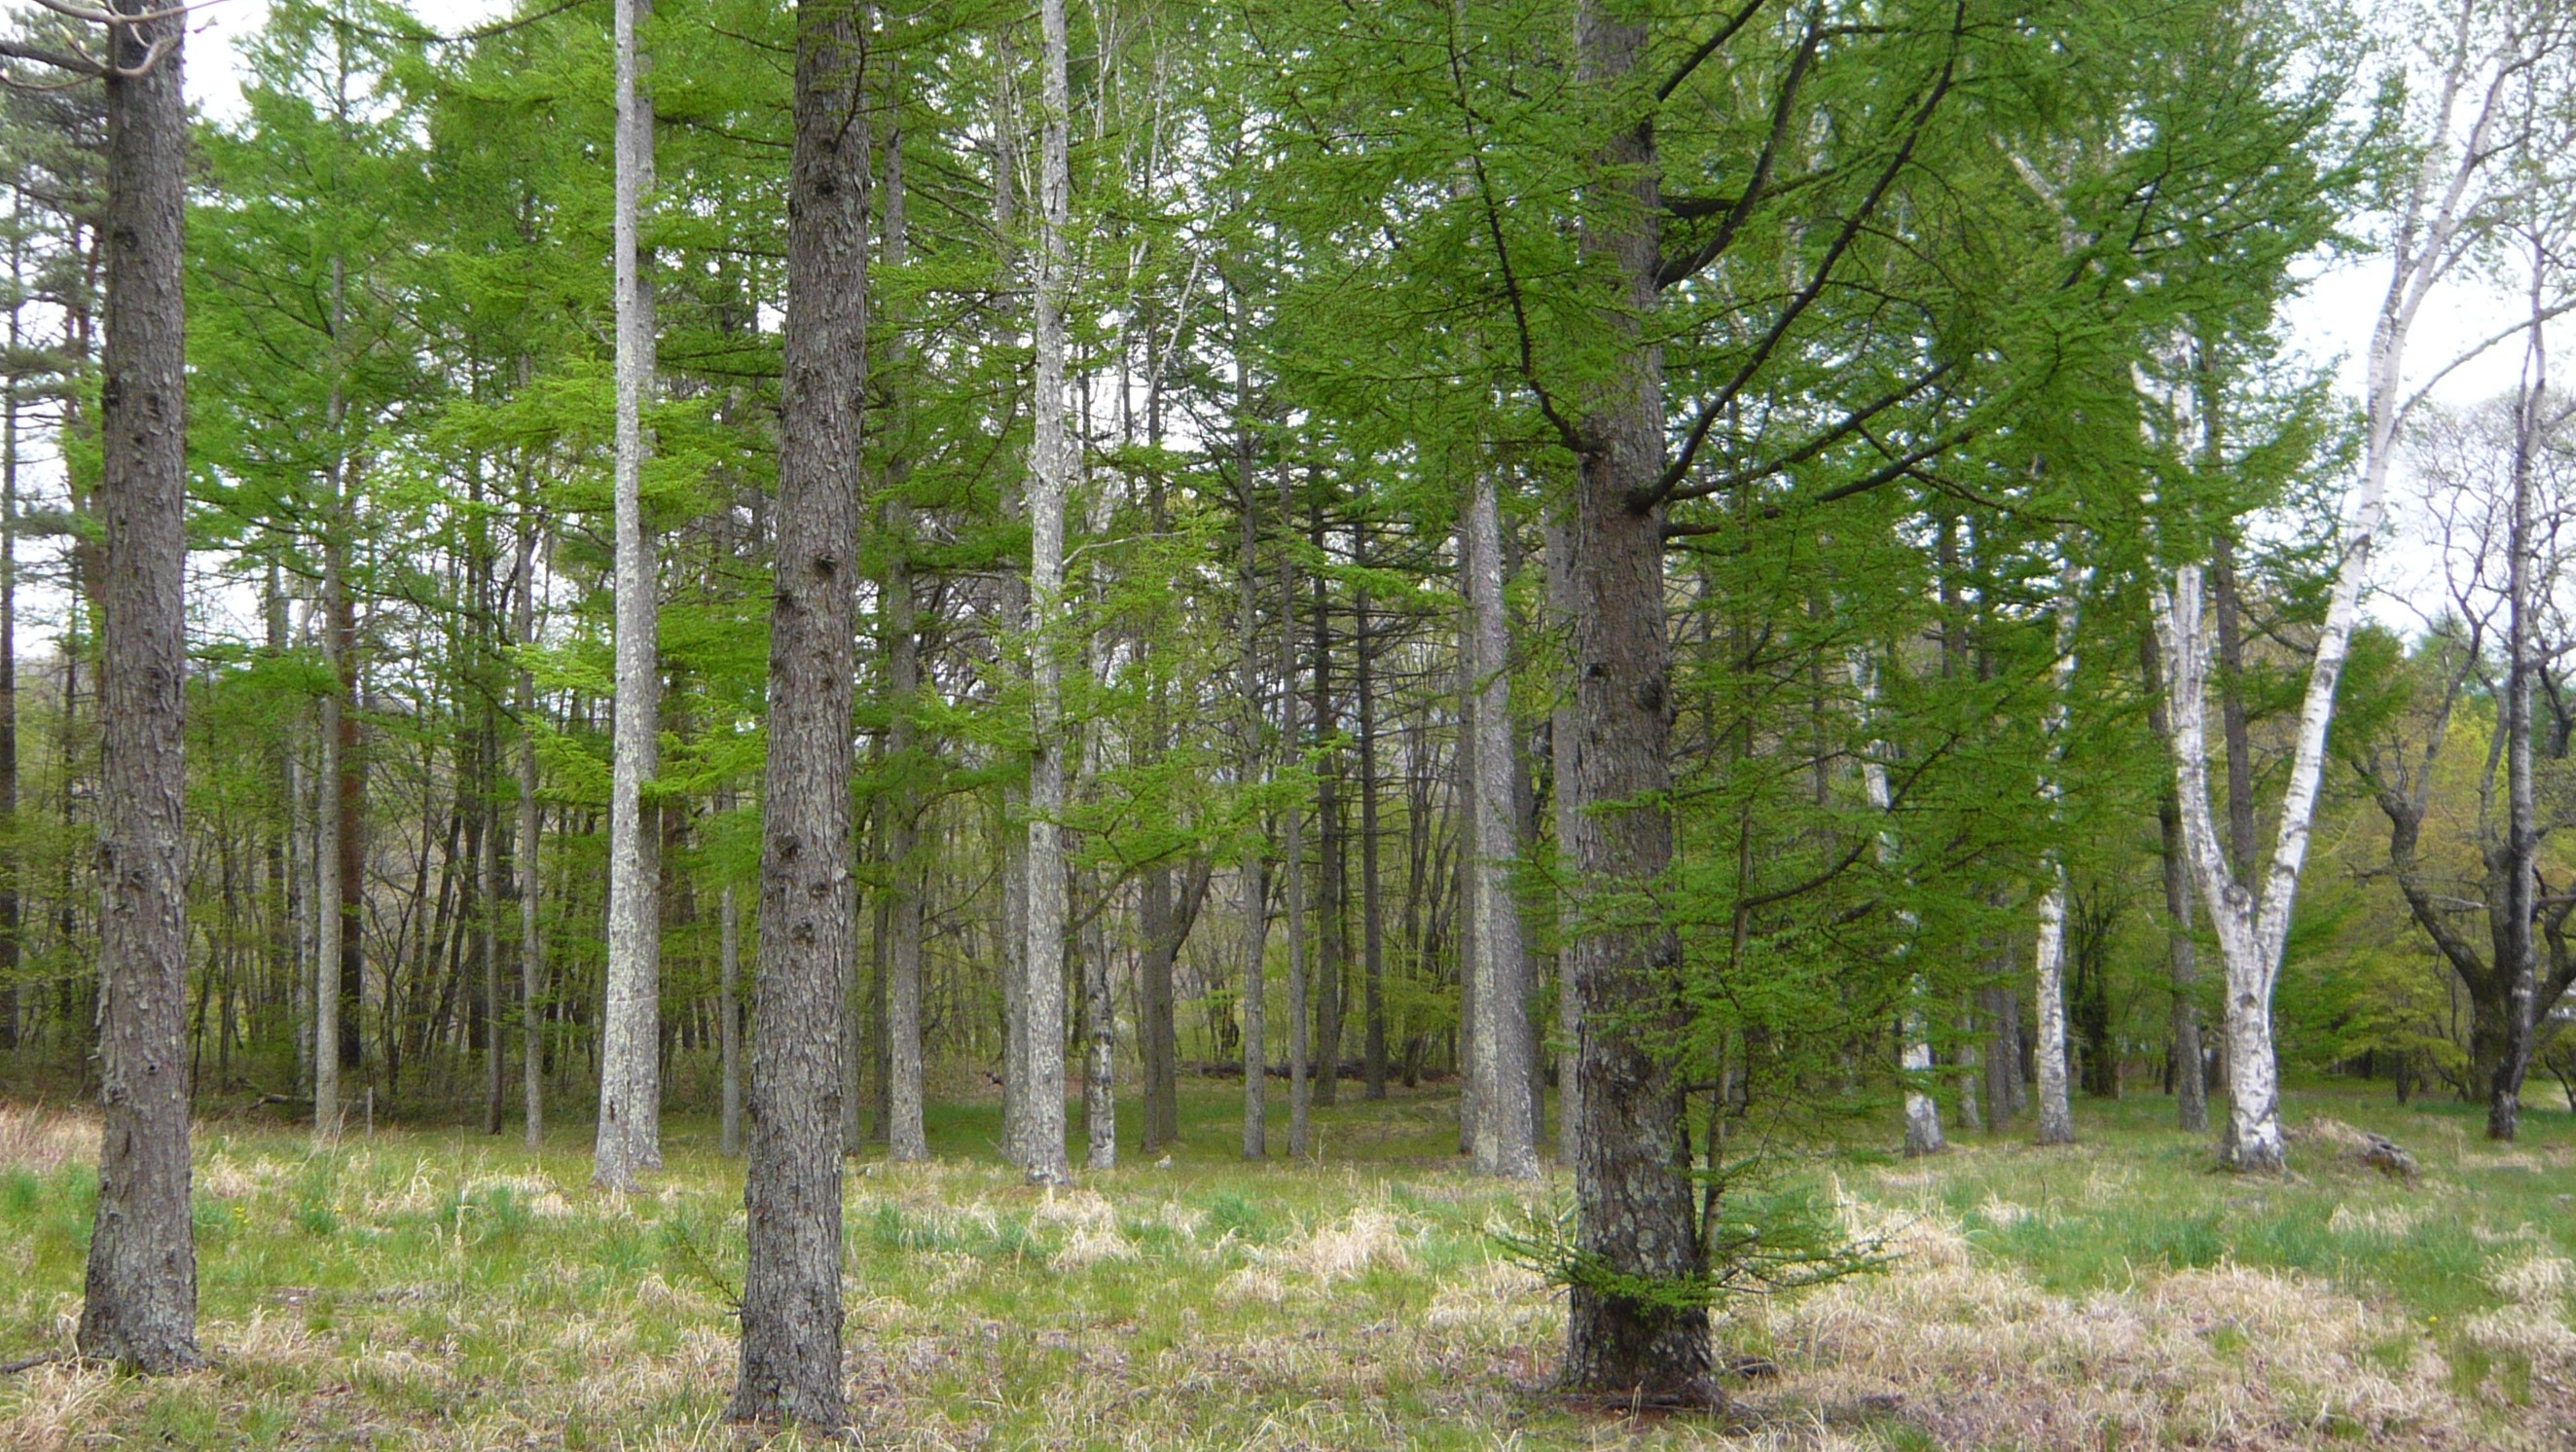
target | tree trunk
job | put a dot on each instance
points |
(1292, 748)
(1100, 1063)
(2182, 954)
(1633, 1169)
(1330, 949)
(630, 1034)
(729, 1022)
(1041, 1154)
(1372, 916)
(791, 1299)
(905, 1138)
(1506, 1135)
(532, 944)
(141, 1288)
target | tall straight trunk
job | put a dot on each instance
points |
(1292, 747)
(2056, 1114)
(791, 1300)
(2182, 954)
(140, 1304)
(1041, 1153)
(1016, 1097)
(487, 912)
(12, 1004)
(1372, 911)
(1157, 1045)
(1100, 1060)
(905, 1137)
(1633, 1171)
(1331, 876)
(1922, 1111)
(2515, 859)
(1506, 1133)
(729, 1021)
(630, 1091)
(1256, 886)
(532, 945)
(1561, 731)
(329, 861)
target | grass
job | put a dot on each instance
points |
(437, 1289)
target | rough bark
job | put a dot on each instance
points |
(1632, 1172)
(629, 1139)
(1292, 746)
(140, 1305)
(729, 1021)
(791, 1299)
(1041, 1153)
(1506, 1134)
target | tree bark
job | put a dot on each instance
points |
(532, 943)
(1330, 950)
(1372, 915)
(2182, 954)
(1506, 1134)
(140, 1305)
(1041, 1154)
(1633, 1170)
(729, 1022)
(791, 1300)
(629, 1139)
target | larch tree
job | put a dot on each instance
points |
(629, 1138)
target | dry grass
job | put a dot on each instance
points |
(441, 1293)
(40, 1141)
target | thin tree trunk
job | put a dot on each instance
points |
(140, 1304)
(629, 1139)
(1292, 746)
(791, 1300)
(532, 956)
(1372, 915)
(2056, 1114)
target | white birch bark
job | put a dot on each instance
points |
(1042, 1155)
(1505, 1138)
(1922, 1111)
(2433, 225)
(629, 1138)
(2056, 1115)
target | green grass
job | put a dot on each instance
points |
(441, 1289)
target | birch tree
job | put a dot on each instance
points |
(2471, 57)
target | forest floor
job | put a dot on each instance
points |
(438, 1289)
